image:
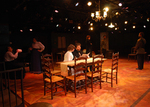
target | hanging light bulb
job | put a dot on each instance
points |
(111, 25)
(79, 27)
(133, 27)
(91, 28)
(120, 4)
(125, 22)
(91, 24)
(92, 15)
(89, 3)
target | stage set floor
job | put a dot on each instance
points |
(132, 90)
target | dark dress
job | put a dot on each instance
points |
(89, 47)
(36, 61)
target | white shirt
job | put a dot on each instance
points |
(9, 56)
(38, 45)
(68, 56)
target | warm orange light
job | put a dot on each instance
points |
(125, 22)
(79, 27)
(92, 15)
(91, 24)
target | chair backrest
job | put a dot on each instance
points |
(115, 58)
(49, 57)
(80, 65)
(46, 68)
(97, 63)
(132, 49)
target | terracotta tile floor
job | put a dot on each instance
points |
(133, 89)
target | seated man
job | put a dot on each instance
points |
(11, 63)
(77, 52)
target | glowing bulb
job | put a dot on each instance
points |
(117, 13)
(56, 11)
(116, 29)
(92, 15)
(89, 3)
(111, 25)
(106, 24)
(125, 28)
(21, 30)
(144, 26)
(106, 9)
(57, 25)
(125, 22)
(120, 4)
(77, 4)
(133, 27)
(30, 30)
(79, 27)
(91, 28)
(91, 24)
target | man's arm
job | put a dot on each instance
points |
(13, 55)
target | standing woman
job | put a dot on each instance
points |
(88, 45)
(37, 48)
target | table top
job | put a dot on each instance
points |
(71, 63)
(64, 65)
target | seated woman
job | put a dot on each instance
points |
(69, 56)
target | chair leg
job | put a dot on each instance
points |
(51, 91)
(100, 81)
(111, 80)
(86, 86)
(65, 85)
(44, 88)
(116, 77)
(92, 83)
(75, 88)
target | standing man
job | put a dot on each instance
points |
(140, 45)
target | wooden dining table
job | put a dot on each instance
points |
(64, 66)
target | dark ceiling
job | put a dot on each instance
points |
(41, 15)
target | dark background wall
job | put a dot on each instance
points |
(122, 42)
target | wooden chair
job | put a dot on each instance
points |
(132, 54)
(51, 81)
(112, 73)
(80, 66)
(50, 58)
(96, 70)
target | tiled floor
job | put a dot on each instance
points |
(133, 89)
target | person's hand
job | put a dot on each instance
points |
(87, 55)
(39, 50)
(19, 50)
